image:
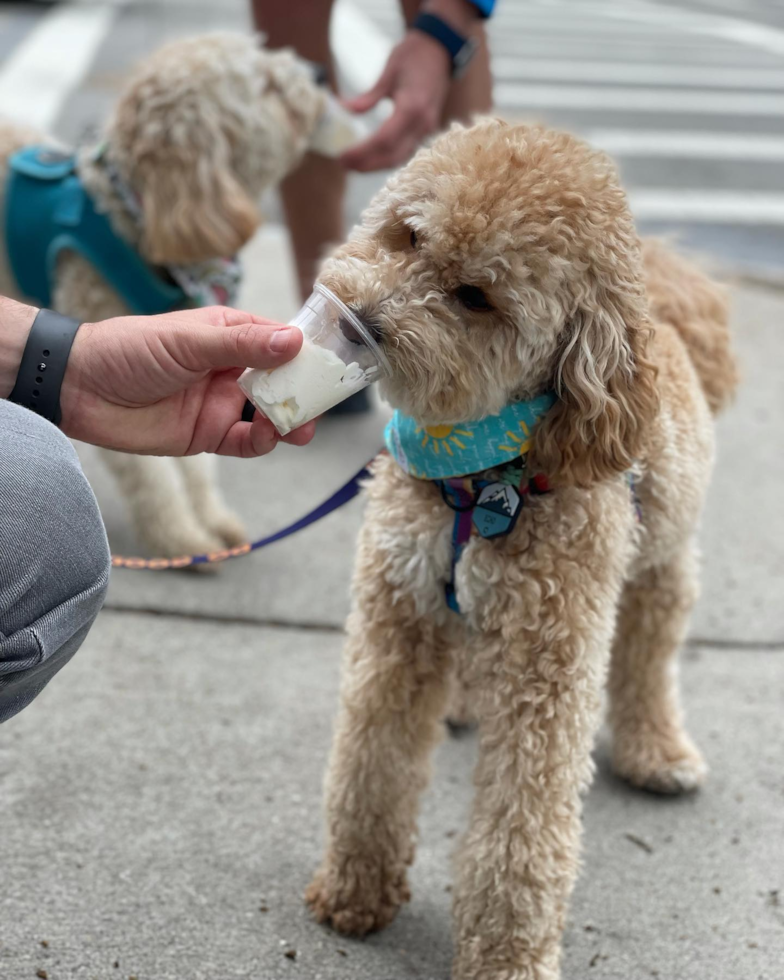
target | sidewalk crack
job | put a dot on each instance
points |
(315, 626)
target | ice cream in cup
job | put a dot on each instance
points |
(339, 357)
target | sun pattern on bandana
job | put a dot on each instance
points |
(438, 437)
(519, 445)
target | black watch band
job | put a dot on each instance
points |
(44, 361)
(460, 49)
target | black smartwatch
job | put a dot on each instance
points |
(460, 49)
(44, 361)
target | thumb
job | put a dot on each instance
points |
(255, 345)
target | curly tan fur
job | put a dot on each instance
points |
(201, 129)
(680, 294)
(204, 126)
(579, 589)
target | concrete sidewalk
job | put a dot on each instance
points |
(160, 802)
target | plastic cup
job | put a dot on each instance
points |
(338, 358)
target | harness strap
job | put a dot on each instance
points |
(489, 508)
(459, 495)
(48, 212)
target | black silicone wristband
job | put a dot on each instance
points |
(460, 49)
(43, 364)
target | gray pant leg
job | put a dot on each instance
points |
(54, 557)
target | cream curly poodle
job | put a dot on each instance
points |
(201, 129)
(502, 263)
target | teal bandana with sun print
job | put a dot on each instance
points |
(439, 452)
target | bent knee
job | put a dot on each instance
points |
(53, 548)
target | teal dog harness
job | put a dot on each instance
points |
(48, 212)
(479, 467)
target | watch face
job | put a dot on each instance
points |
(463, 57)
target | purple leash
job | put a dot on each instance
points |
(342, 496)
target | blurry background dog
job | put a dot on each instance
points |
(203, 127)
(501, 264)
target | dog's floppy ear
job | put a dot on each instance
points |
(174, 138)
(193, 207)
(605, 383)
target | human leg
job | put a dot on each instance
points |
(54, 557)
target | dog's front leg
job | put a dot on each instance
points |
(394, 693)
(537, 671)
(201, 485)
(159, 506)
(519, 859)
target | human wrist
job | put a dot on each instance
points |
(16, 319)
(72, 390)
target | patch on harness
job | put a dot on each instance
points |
(496, 510)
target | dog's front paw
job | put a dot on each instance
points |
(224, 524)
(474, 961)
(175, 541)
(358, 897)
(661, 765)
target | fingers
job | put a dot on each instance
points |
(259, 437)
(224, 316)
(382, 88)
(302, 435)
(239, 342)
(366, 101)
(249, 439)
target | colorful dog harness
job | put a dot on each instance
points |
(48, 212)
(479, 467)
(489, 508)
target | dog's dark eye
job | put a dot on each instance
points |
(473, 298)
(413, 238)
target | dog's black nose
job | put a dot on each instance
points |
(370, 324)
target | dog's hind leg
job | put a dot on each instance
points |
(394, 692)
(160, 509)
(651, 747)
(201, 485)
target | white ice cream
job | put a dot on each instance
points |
(294, 393)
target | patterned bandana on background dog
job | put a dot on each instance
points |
(479, 467)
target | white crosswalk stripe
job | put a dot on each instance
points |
(521, 94)
(36, 80)
(687, 95)
(650, 73)
(688, 145)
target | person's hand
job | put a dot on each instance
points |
(417, 78)
(166, 385)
